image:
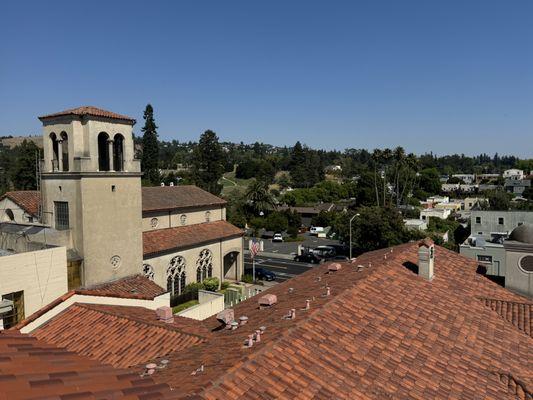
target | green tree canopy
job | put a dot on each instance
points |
(24, 172)
(208, 163)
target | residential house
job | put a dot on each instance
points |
(466, 178)
(516, 186)
(415, 224)
(515, 174)
(434, 212)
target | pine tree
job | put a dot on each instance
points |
(23, 174)
(150, 154)
(208, 163)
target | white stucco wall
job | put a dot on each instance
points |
(21, 216)
(171, 219)
(219, 249)
(42, 275)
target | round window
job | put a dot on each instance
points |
(207, 216)
(154, 222)
(183, 219)
(115, 262)
(526, 263)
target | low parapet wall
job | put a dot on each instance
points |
(211, 303)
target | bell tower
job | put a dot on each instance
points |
(91, 190)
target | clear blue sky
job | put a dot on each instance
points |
(441, 76)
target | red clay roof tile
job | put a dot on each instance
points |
(33, 369)
(185, 236)
(161, 198)
(28, 200)
(116, 335)
(90, 111)
(384, 332)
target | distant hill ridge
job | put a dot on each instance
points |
(17, 140)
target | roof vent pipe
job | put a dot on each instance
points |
(250, 340)
(258, 335)
(162, 184)
(426, 256)
(171, 183)
(328, 291)
(307, 304)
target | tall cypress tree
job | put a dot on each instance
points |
(208, 163)
(150, 155)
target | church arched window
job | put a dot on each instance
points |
(103, 152)
(204, 265)
(176, 277)
(118, 152)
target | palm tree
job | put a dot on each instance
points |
(259, 198)
(376, 158)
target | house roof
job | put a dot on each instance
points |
(130, 287)
(157, 198)
(89, 111)
(161, 198)
(519, 314)
(33, 369)
(28, 200)
(117, 335)
(162, 240)
(384, 332)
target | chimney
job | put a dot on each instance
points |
(426, 255)
(165, 314)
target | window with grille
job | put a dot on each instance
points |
(61, 213)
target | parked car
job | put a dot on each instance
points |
(278, 237)
(307, 257)
(261, 273)
(315, 230)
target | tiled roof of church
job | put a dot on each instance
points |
(131, 287)
(117, 335)
(180, 237)
(520, 314)
(384, 332)
(160, 198)
(28, 200)
(91, 111)
(33, 369)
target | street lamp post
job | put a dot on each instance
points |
(351, 219)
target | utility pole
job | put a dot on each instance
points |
(351, 219)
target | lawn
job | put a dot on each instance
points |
(183, 306)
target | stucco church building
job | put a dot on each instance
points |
(91, 202)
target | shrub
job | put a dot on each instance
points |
(211, 284)
(248, 278)
(225, 285)
(193, 288)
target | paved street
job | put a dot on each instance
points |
(284, 269)
(291, 247)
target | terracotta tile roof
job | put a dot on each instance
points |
(160, 198)
(130, 287)
(518, 314)
(384, 332)
(185, 236)
(117, 335)
(33, 369)
(28, 200)
(88, 110)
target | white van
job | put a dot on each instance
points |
(316, 230)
